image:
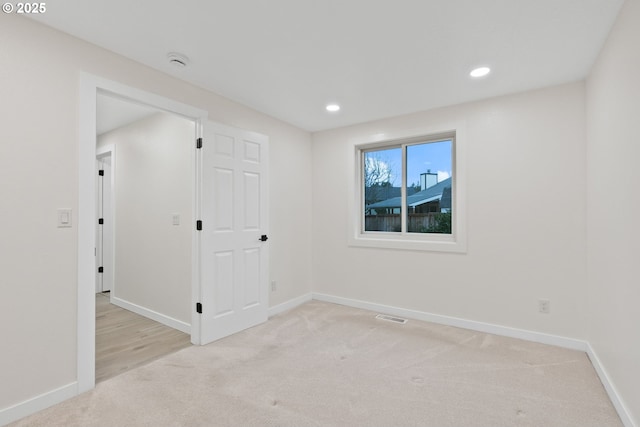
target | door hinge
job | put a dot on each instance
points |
(100, 220)
(198, 308)
(199, 143)
(101, 172)
(100, 269)
(199, 225)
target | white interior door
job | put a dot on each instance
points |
(107, 226)
(233, 252)
(104, 240)
(99, 231)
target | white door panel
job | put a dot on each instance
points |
(233, 259)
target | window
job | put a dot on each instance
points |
(407, 194)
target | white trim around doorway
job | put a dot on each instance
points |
(90, 85)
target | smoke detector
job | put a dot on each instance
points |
(177, 59)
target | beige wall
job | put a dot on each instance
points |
(153, 181)
(525, 169)
(39, 90)
(613, 113)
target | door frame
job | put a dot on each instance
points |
(90, 86)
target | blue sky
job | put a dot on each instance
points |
(434, 156)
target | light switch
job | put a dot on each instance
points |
(176, 219)
(64, 218)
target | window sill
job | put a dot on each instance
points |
(420, 242)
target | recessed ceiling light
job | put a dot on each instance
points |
(333, 108)
(480, 72)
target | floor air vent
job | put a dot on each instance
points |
(391, 318)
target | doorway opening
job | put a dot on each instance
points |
(90, 88)
(228, 224)
(143, 234)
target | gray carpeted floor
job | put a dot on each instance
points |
(328, 365)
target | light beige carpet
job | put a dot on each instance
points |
(328, 365)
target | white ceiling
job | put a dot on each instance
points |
(376, 58)
(113, 113)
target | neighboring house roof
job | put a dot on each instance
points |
(381, 192)
(384, 192)
(441, 191)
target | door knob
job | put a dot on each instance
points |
(263, 238)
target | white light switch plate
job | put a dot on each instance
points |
(65, 218)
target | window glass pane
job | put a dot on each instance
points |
(428, 206)
(382, 180)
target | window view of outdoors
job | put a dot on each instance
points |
(427, 205)
(382, 181)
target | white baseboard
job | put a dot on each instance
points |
(153, 315)
(506, 331)
(618, 403)
(288, 305)
(37, 403)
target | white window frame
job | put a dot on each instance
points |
(454, 242)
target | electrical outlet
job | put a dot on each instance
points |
(544, 306)
(273, 286)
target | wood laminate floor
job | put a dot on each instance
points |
(125, 340)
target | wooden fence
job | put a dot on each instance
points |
(416, 222)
